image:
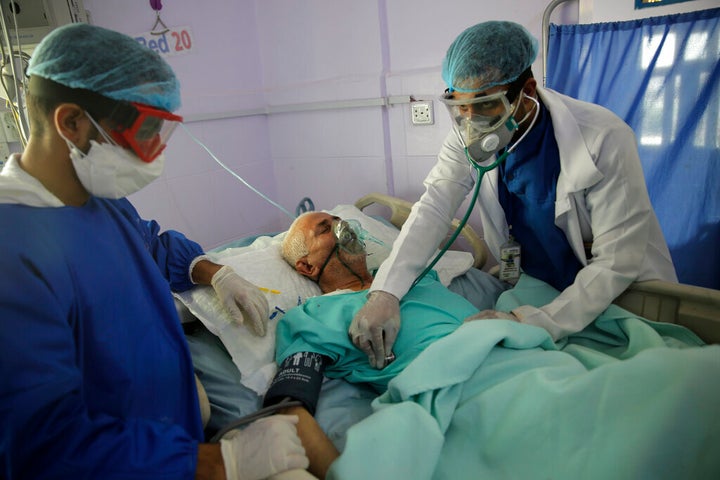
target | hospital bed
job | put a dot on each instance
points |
(235, 367)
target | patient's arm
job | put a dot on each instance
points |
(319, 449)
(299, 377)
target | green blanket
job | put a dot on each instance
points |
(625, 398)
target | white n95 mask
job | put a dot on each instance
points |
(488, 144)
(110, 171)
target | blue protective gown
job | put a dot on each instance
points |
(96, 377)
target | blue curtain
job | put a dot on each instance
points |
(662, 76)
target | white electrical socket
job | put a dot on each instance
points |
(421, 113)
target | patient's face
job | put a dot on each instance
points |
(332, 266)
(321, 241)
(319, 236)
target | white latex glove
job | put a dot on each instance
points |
(244, 301)
(375, 327)
(492, 315)
(263, 448)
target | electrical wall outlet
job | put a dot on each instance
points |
(421, 113)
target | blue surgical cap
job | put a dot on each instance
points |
(488, 54)
(106, 62)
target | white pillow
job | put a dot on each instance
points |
(262, 264)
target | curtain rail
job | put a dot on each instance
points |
(546, 33)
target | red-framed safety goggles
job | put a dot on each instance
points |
(148, 132)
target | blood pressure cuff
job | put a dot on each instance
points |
(299, 377)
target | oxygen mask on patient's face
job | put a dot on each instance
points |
(348, 239)
(352, 237)
(348, 235)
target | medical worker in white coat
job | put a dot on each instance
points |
(569, 193)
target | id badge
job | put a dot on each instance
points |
(510, 261)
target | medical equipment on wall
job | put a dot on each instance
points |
(24, 23)
(14, 86)
(490, 132)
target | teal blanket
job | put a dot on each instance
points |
(624, 399)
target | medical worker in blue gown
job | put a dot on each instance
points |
(569, 201)
(97, 380)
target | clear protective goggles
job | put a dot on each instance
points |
(482, 114)
(148, 131)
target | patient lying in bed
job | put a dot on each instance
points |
(312, 341)
(236, 367)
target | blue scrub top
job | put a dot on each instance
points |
(526, 191)
(97, 379)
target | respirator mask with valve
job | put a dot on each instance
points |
(485, 124)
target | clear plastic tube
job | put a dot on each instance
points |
(236, 175)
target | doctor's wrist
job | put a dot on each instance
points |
(202, 270)
(210, 464)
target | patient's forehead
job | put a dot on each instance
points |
(314, 226)
(314, 219)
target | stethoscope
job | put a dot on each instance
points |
(481, 171)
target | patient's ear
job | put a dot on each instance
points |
(304, 268)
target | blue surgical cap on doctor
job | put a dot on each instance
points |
(106, 62)
(488, 54)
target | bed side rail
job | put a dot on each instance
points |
(400, 209)
(696, 308)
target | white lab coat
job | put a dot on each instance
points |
(601, 198)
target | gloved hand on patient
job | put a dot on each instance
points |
(264, 448)
(492, 315)
(375, 327)
(244, 301)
